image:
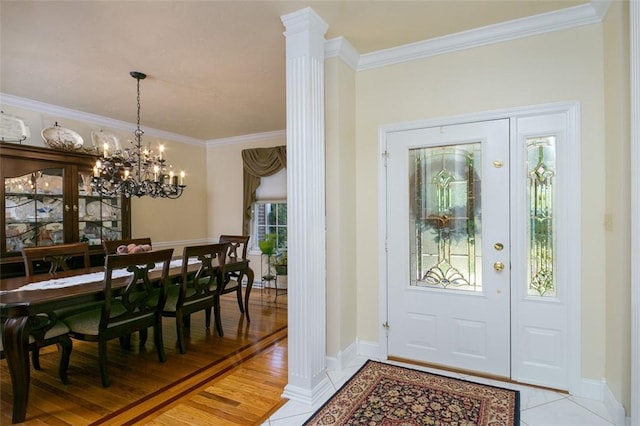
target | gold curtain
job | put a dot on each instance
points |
(258, 162)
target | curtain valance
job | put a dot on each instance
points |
(258, 162)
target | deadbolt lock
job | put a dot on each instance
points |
(498, 246)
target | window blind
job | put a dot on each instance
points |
(273, 188)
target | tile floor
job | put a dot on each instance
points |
(537, 407)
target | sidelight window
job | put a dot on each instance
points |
(541, 170)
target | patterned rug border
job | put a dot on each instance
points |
(369, 362)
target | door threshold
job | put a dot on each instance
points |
(473, 373)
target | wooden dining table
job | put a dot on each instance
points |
(17, 306)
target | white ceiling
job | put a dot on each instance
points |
(215, 69)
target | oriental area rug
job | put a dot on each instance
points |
(388, 395)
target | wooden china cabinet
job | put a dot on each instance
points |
(47, 199)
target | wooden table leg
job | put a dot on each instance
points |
(250, 277)
(15, 340)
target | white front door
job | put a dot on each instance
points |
(448, 246)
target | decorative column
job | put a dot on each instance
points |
(306, 206)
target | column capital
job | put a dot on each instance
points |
(304, 20)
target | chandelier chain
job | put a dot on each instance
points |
(138, 99)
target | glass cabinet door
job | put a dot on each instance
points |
(34, 209)
(99, 218)
(47, 199)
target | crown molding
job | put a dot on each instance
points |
(44, 108)
(600, 7)
(340, 47)
(571, 17)
(254, 137)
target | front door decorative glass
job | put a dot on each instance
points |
(445, 217)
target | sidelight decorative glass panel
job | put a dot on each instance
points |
(445, 217)
(541, 168)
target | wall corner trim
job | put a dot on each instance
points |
(341, 48)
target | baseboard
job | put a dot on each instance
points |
(343, 359)
(614, 407)
(588, 388)
(598, 390)
(359, 348)
(368, 349)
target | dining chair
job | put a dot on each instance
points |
(238, 246)
(111, 246)
(125, 309)
(199, 291)
(46, 331)
(63, 257)
(59, 257)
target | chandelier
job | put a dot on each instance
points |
(138, 170)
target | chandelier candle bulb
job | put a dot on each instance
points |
(105, 150)
(182, 178)
(161, 149)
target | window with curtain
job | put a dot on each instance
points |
(265, 195)
(269, 211)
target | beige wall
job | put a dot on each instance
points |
(224, 187)
(169, 223)
(617, 202)
(176, 223)
(561, 66)
(341, 208)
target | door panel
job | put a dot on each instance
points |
(448, 246)
(542, 282)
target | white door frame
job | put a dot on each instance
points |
(634, 43)
(572, 110)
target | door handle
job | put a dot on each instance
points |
(498, 266)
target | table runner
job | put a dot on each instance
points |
(87, 278)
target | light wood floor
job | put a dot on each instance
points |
(237, 379)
